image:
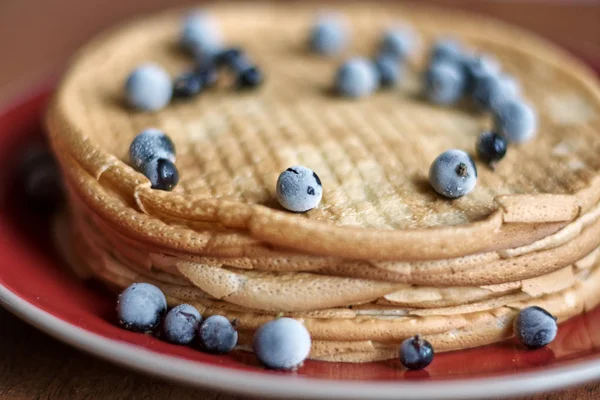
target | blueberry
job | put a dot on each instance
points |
(416, 353)
(492, 90)
(40, 179)
(398, 42)
(217, 335)
(491, 148)
(282, 344)
(446, 49)
(516, 121)
(248, 75)
(478, 67)
(329, 35)
(149, 145)
(181, 324)
(535, 327)
(140, 307)
(162, 173)
(230, 57)
(207, 73)
(388, 69)
(200, 33)
(357, 77)
(148, 88)
(299, 189)
(453, 174)
(444, 82)
(187, 85)
(249, 78)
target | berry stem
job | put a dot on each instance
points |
(418, 341)
(462, 170)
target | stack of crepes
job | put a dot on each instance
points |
(382, 257)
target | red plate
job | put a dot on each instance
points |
(34, 286)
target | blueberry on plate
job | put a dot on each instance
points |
(282, 344)
(398, 42)
(444, 82)
(356, 78)
(491, 91)
(491, 148)
(40, 180)
(453, 174)
(446, 49)
(230, 57)
(249, 78)
(150, 144)
(200, 33)
(141, 307)
(516, 121)
(388, 69)
(299, 189)
(217, 335)
(416, 353)
(479, 66)
(162, 173)
(329, 35)
(181, 323)
(148, 88)
(535, 327)
(187, 85)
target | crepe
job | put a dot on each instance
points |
(372, 155)
(373, 331)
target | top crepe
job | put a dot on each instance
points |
(372, 155)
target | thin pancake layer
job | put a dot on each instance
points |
(372, 155)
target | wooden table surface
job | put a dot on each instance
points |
(36, 39)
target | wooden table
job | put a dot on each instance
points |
(37, 37)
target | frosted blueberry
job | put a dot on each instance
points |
(416, 353)
(446, 49)
(150, 144)
(248, 75)
(491, 148)
(299, 189)
(453, 174)
(148, 87)
(140, 307)
(388, 69)
(40, 179)
(478, 67)
(162, 173)
(535, 327)
(493, 90)
(399, 42)
(357, 77)
(516, 121)
(329, 35)
(282, 344)
(187, 84)
(200, 34)
(231, 57)
(181, 323)
(444, 82)
(191, 83)
(217, 335)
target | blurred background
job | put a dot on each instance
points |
(38, 36)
